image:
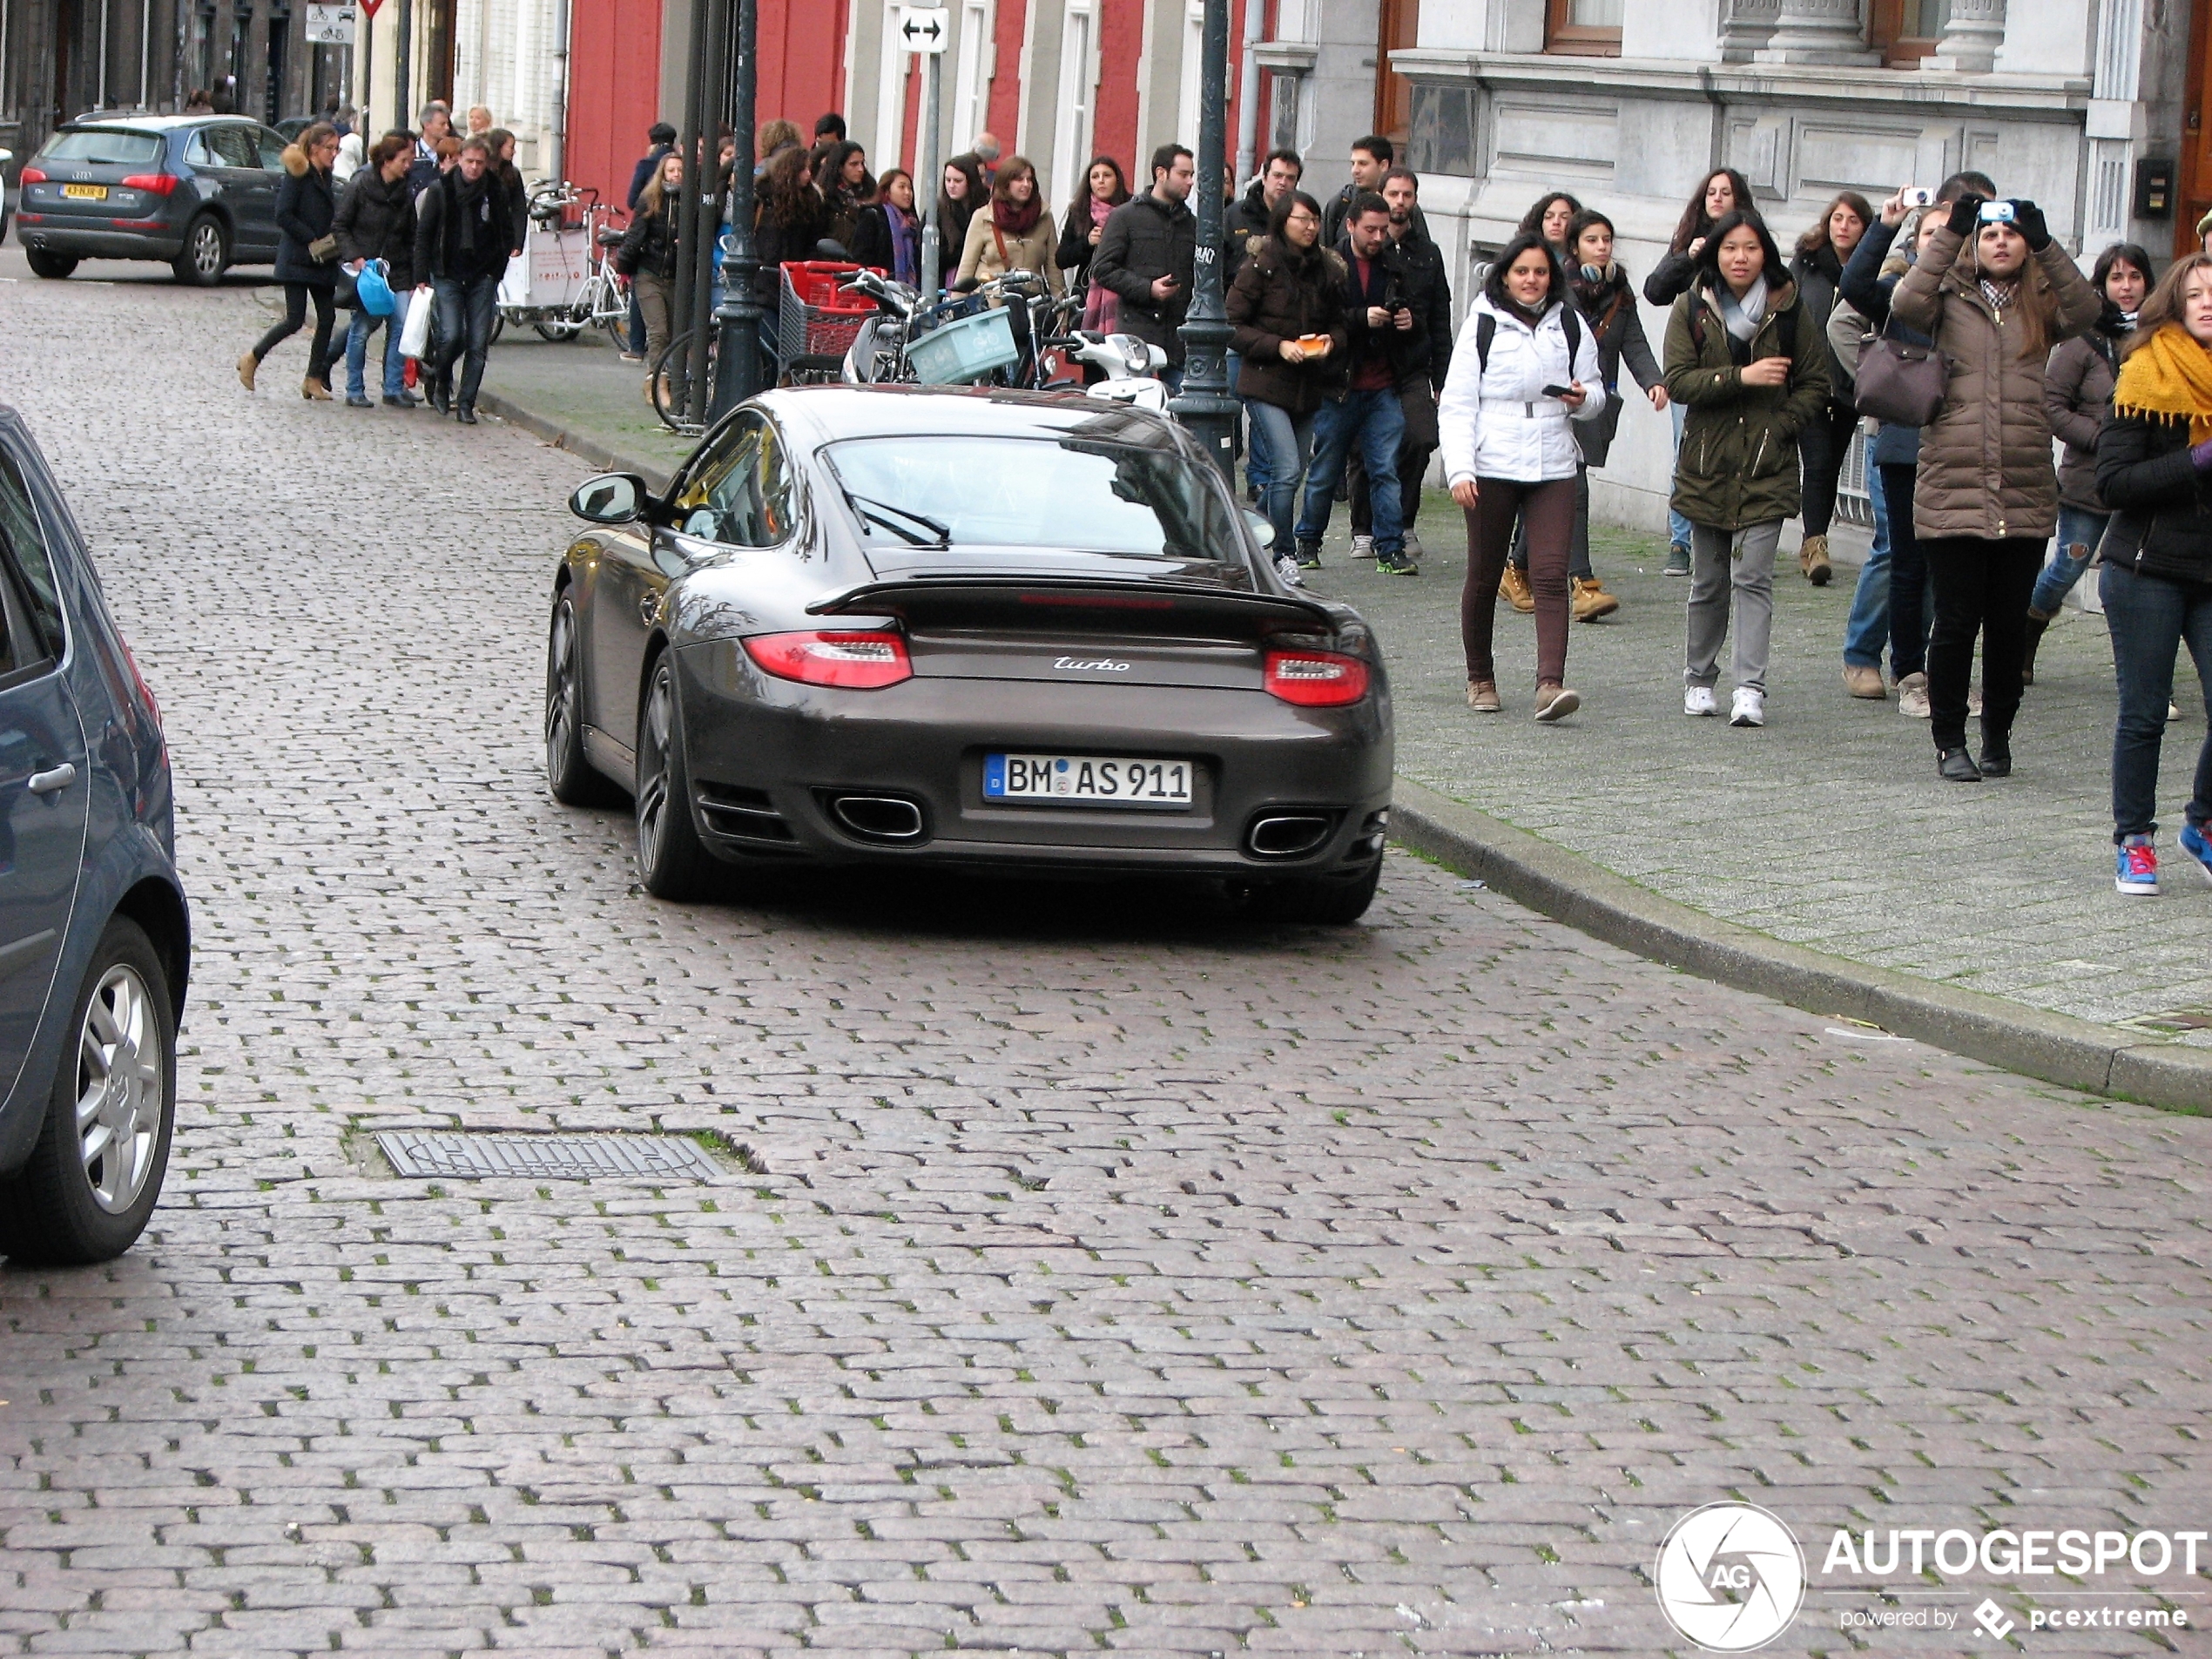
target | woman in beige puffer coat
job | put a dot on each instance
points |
(1996, 293)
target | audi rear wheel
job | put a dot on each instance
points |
(205, 255)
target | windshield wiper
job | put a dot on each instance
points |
(883, 513)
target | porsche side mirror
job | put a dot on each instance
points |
(1262, 527)
(611, 498)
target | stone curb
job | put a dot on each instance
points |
(2056, 1047)
(584, 448)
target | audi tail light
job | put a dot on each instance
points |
(32, 176)
(1316, 679)
(857, 662)
(154, 184)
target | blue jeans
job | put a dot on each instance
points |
(357, 333)
(1909, 599)
(1288, 441)
(1376, 421)
(1677, 526)
(466, 307)
(2150, 618)
(1868, 630)
(1258, 462)
(2079, 530)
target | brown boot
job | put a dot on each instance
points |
(247, 365)
(1590, 600)
(314, 390)
(1812, 559)
(1514, 588)
(1554, 701)
(1482, 697)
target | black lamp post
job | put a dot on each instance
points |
(1205, 407)
(738, 368)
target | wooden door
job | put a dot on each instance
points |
(1400, 31)
(2196, 133)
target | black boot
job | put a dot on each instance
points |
(1956, 765)
(1996, 752)
(2037, 622)
(439, 398)
(465, 413)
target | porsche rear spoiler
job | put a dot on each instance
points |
(1086, 602)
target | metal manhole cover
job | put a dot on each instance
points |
(557, 1157)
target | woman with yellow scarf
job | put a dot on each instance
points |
(2154, 470)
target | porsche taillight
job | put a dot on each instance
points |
(856, 662)
(1316, 679)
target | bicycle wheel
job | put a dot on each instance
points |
(567, 328)
(670, 379)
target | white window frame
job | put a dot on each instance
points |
(1075, 118)
(890, 94)
(1193, 67)
(978, 60)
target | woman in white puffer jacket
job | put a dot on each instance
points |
(1509, 453)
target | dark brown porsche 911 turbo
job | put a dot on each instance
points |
(997, 630)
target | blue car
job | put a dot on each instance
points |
(95, 935)
(198, 190)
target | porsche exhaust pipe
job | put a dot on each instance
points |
(1288, 835)
(880, 818)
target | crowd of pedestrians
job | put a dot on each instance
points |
(432, 219)
(1948, 322)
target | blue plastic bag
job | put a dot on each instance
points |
(375, 293)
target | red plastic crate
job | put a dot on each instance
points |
(815, 319)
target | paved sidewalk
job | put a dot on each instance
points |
(1827, 829)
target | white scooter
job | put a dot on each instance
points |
(1132, 367)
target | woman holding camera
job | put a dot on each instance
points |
(1995, 293)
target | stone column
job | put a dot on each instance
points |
(1970, 39)
(1818, 32)
(1745, 25)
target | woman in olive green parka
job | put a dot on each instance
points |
(1747, 361)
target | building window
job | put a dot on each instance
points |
(1904, 31)
(1588, 28)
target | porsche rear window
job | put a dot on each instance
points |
(1037, 494)
(102, 147)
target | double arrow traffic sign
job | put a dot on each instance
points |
(924, 29)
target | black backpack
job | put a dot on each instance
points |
(1486, 330)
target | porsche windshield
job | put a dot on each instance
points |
(1034, 493)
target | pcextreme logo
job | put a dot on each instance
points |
(1730, 1577)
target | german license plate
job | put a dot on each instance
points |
(1087, 780)
(85, 192)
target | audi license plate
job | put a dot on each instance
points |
(1087, 780)
(85, 192)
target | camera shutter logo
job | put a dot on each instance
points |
(1730, 1577)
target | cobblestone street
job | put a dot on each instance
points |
(1091, 1271)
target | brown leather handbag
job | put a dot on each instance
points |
(1900, 384)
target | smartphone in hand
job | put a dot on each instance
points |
(1557, 391)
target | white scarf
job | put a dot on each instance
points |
(1742, 317)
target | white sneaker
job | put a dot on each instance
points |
(1913, 696)
(1698, 700)
(1363, 547)
(1749, 707)
(1286, 567)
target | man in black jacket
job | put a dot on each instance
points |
(1244, 222)
(1421, 354)
(434, 122)
(1367, 415)
(463, 229)
(1147, 256)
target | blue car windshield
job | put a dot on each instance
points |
(102, 147)
(1035, 494)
